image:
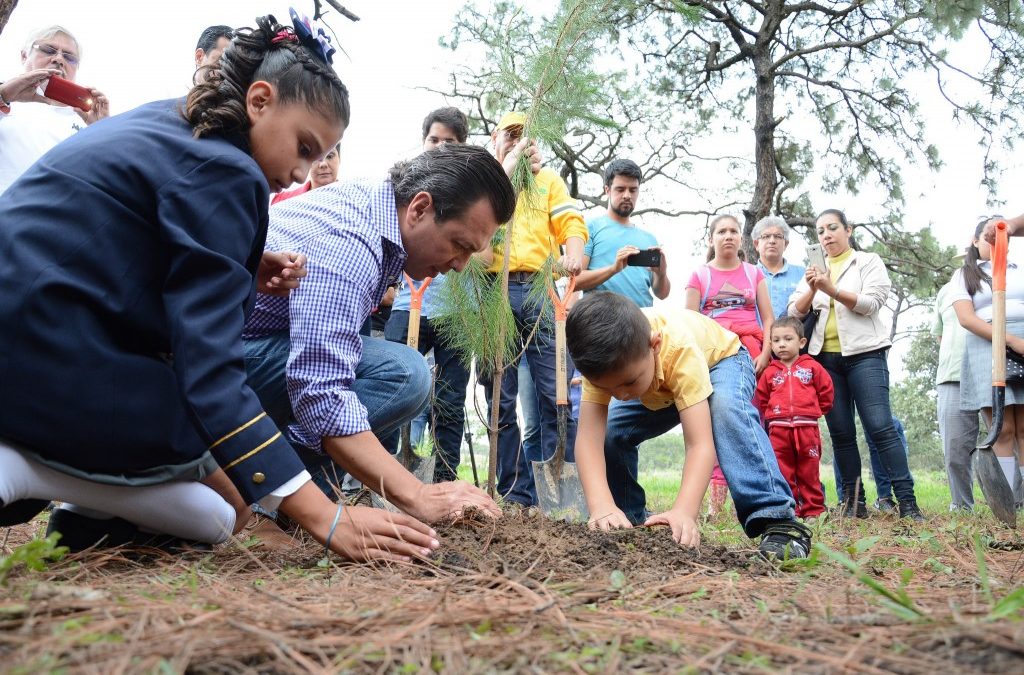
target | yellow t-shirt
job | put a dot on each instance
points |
(831, 343)
(691, 344)
(543, 221)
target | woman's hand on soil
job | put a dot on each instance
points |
(437, 501)
(684, 528)
(611, 518)
(364, 534)
(279, 272)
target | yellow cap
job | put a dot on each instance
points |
(512, 119)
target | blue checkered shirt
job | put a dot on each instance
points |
(350, 235)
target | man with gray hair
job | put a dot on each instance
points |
(771, 237)
(31, 124)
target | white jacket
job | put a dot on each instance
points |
(860, 329)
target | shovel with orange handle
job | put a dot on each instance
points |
(559, 490)
(998, 492)
(421, 467)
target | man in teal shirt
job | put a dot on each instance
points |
(613, 238)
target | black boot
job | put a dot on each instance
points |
(21, 511)
(79, 532)
(908, 509)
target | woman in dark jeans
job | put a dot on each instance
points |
(852, 343)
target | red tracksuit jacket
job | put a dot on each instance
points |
(804, 390)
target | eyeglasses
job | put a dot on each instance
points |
(769, 237)
(50, 50)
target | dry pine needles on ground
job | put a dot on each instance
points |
(523, 594)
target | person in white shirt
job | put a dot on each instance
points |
(31, 124)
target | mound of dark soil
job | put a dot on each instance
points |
(529, 544)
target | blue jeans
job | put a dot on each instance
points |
(883, 486)
(862, 380)
(447, 413)
(515, 475)
(745, 454)
(392, 382)
(531, 414)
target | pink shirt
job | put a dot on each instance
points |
(730, 299)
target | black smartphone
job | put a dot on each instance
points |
(649, 258)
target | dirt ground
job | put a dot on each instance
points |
(525, 594)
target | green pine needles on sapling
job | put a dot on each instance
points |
(555, 76)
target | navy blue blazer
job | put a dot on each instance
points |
(128, 256)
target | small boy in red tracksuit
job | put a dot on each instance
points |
(792, 393)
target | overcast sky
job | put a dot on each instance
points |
(142, 51)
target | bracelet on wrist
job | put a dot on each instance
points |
(5, 106)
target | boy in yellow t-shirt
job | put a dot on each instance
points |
(665, 369)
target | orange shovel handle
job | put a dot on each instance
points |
(416, 294)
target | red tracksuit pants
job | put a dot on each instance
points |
(798, 449)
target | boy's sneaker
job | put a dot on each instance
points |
(885, 505)
(785, 540)
(908, 509)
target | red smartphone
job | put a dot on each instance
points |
(65, 91)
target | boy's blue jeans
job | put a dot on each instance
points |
(758, 489)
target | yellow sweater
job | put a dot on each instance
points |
(544, 219)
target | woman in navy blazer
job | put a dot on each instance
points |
(132, 252)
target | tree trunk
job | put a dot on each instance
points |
(6, 9)
(766, 181)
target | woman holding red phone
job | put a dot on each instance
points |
(140, 247)
(31, 124)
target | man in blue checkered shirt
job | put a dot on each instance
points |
(333, 390)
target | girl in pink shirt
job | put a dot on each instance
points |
(734, 294)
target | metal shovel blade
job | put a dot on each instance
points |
(998, 493)
(559, 491)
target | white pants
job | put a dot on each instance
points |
(189, 510)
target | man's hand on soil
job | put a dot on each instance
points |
(684, 528)
(437, 501)
(611, 518)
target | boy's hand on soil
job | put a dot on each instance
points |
(684, 528)
(437, 501)
(366, 534)
(609, 519)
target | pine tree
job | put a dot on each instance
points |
(555, 85)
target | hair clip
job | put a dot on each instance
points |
(284, 35)
(313, 39)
